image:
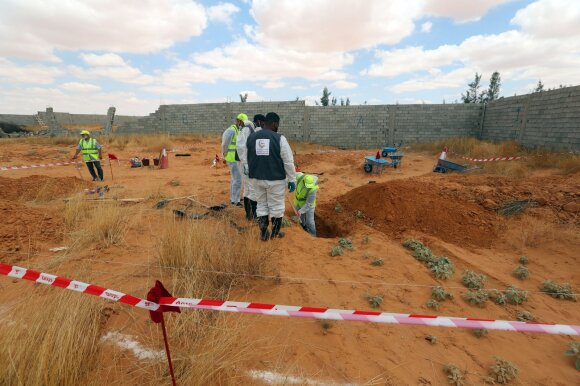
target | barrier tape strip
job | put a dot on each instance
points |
(289, 311)
(5, 168)
(492, 159)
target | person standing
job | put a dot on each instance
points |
(305, 200)
(92, 154)
(270, 168)
(229, 139)
(250, 203)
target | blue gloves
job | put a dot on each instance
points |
(291, 186)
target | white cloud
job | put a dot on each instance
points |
(80, 87)
(426, 27)
(11, 72)
(274, 84)
(550, 19)
(222, 12)
(332, 25)
(532, 53)
(344, 84)
(102, 60)
(461, 10)
(139, 26)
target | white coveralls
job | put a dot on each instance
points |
(235, 173)
(271, 195)
(243, 156)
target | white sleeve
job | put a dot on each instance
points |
(288, 159)
(241, 145)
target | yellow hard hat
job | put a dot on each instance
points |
(242, 117)
(85, 132)
(309, 182)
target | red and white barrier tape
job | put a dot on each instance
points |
(492, 159)
(291, 311)
(5, 168)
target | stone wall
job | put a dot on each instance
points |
(547, 119)
(347, 126)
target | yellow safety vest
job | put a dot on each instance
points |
(89, 148)
(302, 192)
(231, 154)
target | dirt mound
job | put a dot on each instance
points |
(400, 206)
(23, 228)
(40, 188)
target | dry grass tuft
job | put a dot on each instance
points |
(202, 248)
(96, 222)
(530, 232)
(53, 340)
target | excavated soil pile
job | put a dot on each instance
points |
(400, 206)
(40, 188)
(23, 228)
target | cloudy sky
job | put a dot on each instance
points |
(83, 56)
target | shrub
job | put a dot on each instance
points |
(285, 222)
(359, 214)
(345, 243)
(338, 208)
(525, 316)
(498, 297)
(336, 251)
(374, 300)
(523, 260)
(521, 272)
(477, 297)
(442, 268)
(431, 303)
(431, 339)
(473, 280)
(574, 351)
(438, 293)
(514, 295)
(365, 239)
(558, 291)
(378, 262)
(480, 332)
(296, 219)
(454, 375)
(503, 371)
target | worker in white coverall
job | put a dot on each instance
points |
(271, 169)
(230, 154)
(250, 203)
(305, 200)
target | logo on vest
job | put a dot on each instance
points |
(263, 147)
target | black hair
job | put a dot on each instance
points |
(259, 117)
(272, 117)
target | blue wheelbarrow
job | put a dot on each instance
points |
(373, 165)
(444, 166)
(391, 152)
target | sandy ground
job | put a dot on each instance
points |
(452, 214)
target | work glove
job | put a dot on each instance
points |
(291, 186)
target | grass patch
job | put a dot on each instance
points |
(473, 280)
(525, 316)
(105, 223)
(432, 303)
(374, 300)
(574, 351)
(438, 293)
(378, 262)
(431, 339)
(480, 332)
(523, 260)
(346, 243)
(54, 342)
(558, 291)
(337, 250)
(476, 297)
(514, 295)
(502, 372)
(440, 266)
(521, 272)
(454, 375)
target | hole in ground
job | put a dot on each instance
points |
(328, 228)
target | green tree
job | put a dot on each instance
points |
(347, 103)
(472, 93)
(539, 86)
(244, 98)
(334, 101)
(325, 99)
(341, 102)
(492, 92)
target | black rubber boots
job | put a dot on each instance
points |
(264, 233)
(276, 224)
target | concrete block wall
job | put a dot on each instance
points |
(547, 119)
(16, 119)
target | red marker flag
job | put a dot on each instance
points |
(113, 157)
